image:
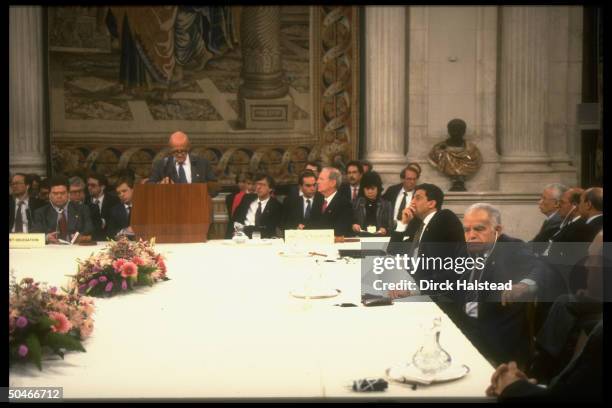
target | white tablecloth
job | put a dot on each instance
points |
(226, 326)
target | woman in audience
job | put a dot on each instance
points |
(372, 214)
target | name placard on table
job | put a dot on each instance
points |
(309, 237)
(23, 241)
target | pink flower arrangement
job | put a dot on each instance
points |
(62, 324)
(119, 267)
(42, 320)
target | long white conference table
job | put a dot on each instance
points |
(226, 326)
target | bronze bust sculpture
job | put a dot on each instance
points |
(456, 157)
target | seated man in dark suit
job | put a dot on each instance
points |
(260, 212)
(350, 189)
(21, 205)
(497, 328)
(591, 210)
(336, 210)
(580, 381)
(120, 214)
(549, 206)
(246, 185)
(298, 208)
(312, 165)
(183, 167)
(427, 230)
(100, 203)
(61, 219)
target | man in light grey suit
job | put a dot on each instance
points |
(183, 167)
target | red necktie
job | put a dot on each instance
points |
(63, 226)
(324, 207)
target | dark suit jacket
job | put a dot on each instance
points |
(337, 216)
(443, 237)
(117, 220)
(547, 230)
(271, 216)
(33, 205)
(110, 201)
(593, 228)
(501, 332)
(581, 380)
(201, 170)
(384, 214)
(391, 195)
(79, 219)
(293, 210)
(345, 190)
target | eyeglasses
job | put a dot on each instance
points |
(180, 151)
(16, 183)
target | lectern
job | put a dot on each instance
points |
(172, 213)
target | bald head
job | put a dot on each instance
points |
(179, 146)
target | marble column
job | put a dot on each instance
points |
(26, 91)
(386, 89)
(263, 95)
(523, 100)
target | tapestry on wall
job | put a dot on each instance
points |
(261, 88)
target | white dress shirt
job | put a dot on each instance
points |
(186, 167)
(593, 217)
(24, 213)
(399, 198)
(330, 198)
(250, 217)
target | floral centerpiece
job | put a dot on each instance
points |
(119, 267)
(41, 319)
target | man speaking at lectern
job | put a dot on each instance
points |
(182, 167)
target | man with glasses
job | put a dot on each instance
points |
(400, 195)
(62, 218)
(182, 167)
(260, 211)
(21, 205)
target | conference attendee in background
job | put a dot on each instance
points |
(183, 167)
(336, 210)
(43, 193)
(76, 190)
(260, 211)
(33, 180)
(350, 189)
(246, 185)
(428, 231)
(367, 166)
(549, 206)
(21, 205)
(119, 220)
(100, 203)
(591, 210)
(298, 208)
(400, 195)
(62, 218)
(372, 214)
(313, 166)
(498, 329)
(581, 380)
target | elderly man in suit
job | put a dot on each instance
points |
(61, 218)
(497, 327)
(183, 167)
(549, 206)
(336, 210)
(260, 211)
(21, 205)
